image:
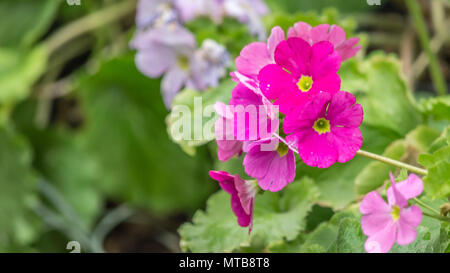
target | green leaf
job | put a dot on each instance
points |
(23, 22)
(125, 134)
(350, 237)
(283, 217)
(196, 109)
(18, 224)
(215, 230)
(436, 107)
(437, 182)
(375, 173)
(277, 217)
(18, 72)
(384, 95)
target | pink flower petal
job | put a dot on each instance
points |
(411, 215)
(395, 197)
(382, 241)
(347, 141)
(374, 222)
(253, 58)
(336, 35)
(228, 149)
(324, 60)
(274, 81)
(409, 188)
(406, 234)
(373, 203)
(272, 171)
(343, 111)
(294, 55)
(347, 49)
(300, 30)
(317, 150)
(276, 36)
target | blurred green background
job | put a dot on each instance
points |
(84, 149)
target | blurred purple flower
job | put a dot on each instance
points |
(248, 12)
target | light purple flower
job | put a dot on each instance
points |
(155, 13)
(210, 64)
(190, 9)
(248, 12)
(273, 167)
(392, 222)
(242, 195)
(167, 50)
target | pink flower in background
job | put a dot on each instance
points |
(333, 34)
(326, 129)
(301, 71)
(392, 222)
(273, 166)
(242, 195)
(257, 55)
(236, 126)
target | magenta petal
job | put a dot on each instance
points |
(228, 148)
(382, 241)
(272, 171)
(406, 234)
(343, 111)
(330, 83)
(409, 188)
(324, 60)
(241, 95)
(336, 35)
(411, 215)
(246, 193)
(348, 49)
(226, 180)
(253, 58)
(373, 223)
(373, 203)
(347, 141)
(276, 36)
(300, 30)
(294, 55)
(274, 81)
(242, 218)
(320, 33)
(317, 150)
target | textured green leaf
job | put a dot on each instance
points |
(437, 182)
(436, 107)
(18, 225)
(277, 217)
(18, 72)
(384, 94)
(23, 22)
(375, 173)
(196, 104)
(126, 135)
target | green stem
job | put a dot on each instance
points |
(88, 23)
(436, 73)
(425, 206)
(438, 217)
(393, 162)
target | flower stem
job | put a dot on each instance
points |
(436, 73)
(88, 23)
(425, 206)
(393, 162)
(438, 217)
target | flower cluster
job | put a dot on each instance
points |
(394, 221)
(165, 46)
(295, 77)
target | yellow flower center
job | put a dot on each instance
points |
(395, 213)
(183, 62)
(282, 149)
(305, 83)
(321, 126)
